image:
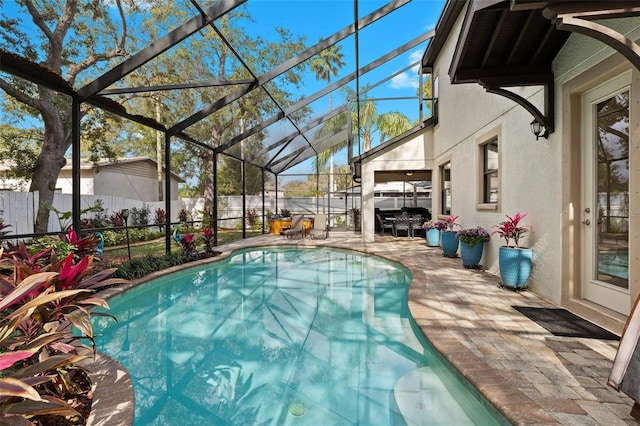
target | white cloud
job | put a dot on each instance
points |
(414, 56)
(404, 80)
(408, 78)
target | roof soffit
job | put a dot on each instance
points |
(507, 43)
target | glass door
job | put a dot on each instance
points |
(605, 188)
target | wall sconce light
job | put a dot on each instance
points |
(539, 130)
(356, 171)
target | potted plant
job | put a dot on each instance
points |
(472, 240)
(514, 261)
(448, 239)
(432, 230)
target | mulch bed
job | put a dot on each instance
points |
(80, 401)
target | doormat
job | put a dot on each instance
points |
(561, 322)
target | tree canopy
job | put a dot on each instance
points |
(79, 42)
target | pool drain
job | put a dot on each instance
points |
(297, 408)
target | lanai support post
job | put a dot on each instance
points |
(264, 198)
(75, 163)
(167, 192)
(244, 199)
(276, 211)
(214, 218)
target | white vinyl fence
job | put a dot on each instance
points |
(18, 209)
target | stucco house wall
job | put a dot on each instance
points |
(537, 177)
(415, 152)
(530, 170)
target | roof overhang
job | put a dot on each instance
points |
(513, 43)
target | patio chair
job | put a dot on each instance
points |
(297, 226)
(320, 226)
(416, 224)
(384, 225)
(403, 223)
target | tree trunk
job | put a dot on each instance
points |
(159, 137)
(208, 179)
(50, 161)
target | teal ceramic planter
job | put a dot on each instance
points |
(433, 237)
(471, 255)
(449, 244)
(515, 266)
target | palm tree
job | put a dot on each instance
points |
(366, 122)
(326, 65)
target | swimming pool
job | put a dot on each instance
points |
(284, 336)
(614, 263)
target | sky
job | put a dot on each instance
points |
(317, 19)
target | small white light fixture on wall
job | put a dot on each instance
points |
(539, 130)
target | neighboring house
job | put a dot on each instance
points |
(271, 191)
(134, 178)
(496, 66)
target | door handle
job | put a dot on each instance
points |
(586, 222)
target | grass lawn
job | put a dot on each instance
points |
(157, 246)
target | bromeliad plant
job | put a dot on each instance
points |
(41, 299)
(450, 222)
(473, 236)
(511, 229)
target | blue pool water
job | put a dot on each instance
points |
(284, 336)
(615, 263)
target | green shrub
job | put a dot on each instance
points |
(113, 238)
(119, 237)
(141, 216)
(139, 267)
(39, 244)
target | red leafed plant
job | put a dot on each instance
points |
(511, 229)
(117, 219)
(207, 234)
(188, 243)
(160, 218)
(41, 299)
